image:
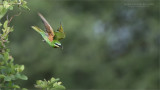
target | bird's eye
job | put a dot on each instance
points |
(57, 44)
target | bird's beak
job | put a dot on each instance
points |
(61, 47)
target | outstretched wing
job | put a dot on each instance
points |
(49, 29)
(60, 29)
(59, 34)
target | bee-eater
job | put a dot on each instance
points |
(50, 36)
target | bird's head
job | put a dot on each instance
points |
(57, 44)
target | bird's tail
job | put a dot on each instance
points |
(37, 29)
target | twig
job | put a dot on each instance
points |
(9, 20)
(13, 3)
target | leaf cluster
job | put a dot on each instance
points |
(6, 5)
(52, 84)
(9, 72)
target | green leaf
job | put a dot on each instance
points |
(38, 82)
(21, 68)
(10, 7)
(24, 5)
(16, 86)
(5, 25)
(0, 24)
(2, 11)
(7, 78)
(6, 56)
(53, 79)
(41, 84)
(24, 89)
(1, 56)
(60, 87)
(23, 77)
(6, 4)
(2, 76)
(12, 77)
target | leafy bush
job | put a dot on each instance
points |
(10, 72)
(50, 84)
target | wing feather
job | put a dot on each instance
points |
(49, 29)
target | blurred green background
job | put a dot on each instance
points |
(108, 45)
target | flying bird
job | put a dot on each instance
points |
(49, 35)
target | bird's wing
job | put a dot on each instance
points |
(60, 29)
(44, 34)
(59, 35)
(49, 29)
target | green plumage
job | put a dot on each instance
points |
(50, 36)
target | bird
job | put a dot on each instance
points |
(49, 35)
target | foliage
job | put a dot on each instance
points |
(9, 4)
(49, 85)
(10, 72)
